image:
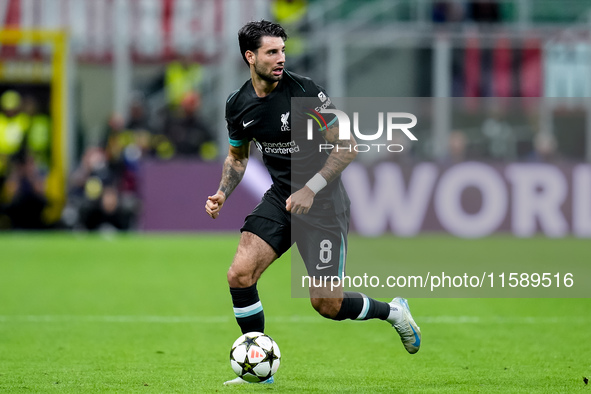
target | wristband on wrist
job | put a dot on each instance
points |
(317, 183)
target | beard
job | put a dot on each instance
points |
(266, 76)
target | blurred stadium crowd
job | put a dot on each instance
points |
(103, 188)
(102, 185)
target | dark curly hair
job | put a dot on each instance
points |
(249, 36)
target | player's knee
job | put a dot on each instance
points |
(240, 278)
(327, 307)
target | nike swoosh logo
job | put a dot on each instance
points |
(245, 124)
(318, 267)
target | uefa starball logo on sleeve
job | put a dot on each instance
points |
(395, 122)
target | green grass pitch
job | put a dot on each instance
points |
(152, 314)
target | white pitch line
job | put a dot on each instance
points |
(113, 319)
(281, 319)
(503, 320)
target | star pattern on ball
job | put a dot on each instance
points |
(249, 341)
(273, 356)
(246, 367)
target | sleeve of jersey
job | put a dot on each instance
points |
(325, 120)
(236, 136)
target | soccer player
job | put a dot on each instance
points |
(307, 193)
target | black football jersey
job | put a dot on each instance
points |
(278, 132)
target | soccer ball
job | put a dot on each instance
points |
(255, 357)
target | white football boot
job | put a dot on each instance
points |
(402, 321)
(239, 380)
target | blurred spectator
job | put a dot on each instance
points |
(162, 148)
(188, 133)
(138, 119)
(93, 164)
(13, 130)
(457, 145)
(500, 134)
(105, 212)
(92, 170)
(545, 148)
(140, 127)
(457, 148)
(114, 143)
(22, 186)
(25, 192)
(124, 149)
(181, 77)
(291, 14)
(38, 139)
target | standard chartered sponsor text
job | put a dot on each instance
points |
(280, 147)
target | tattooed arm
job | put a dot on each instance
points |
(342, 154)
(234, 167)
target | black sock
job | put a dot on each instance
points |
(248, 309)
(358, 306)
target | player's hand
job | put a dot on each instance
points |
(214, 204)
(300, 202)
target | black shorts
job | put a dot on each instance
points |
(321, 240)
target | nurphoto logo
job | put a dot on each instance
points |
(345, 130)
